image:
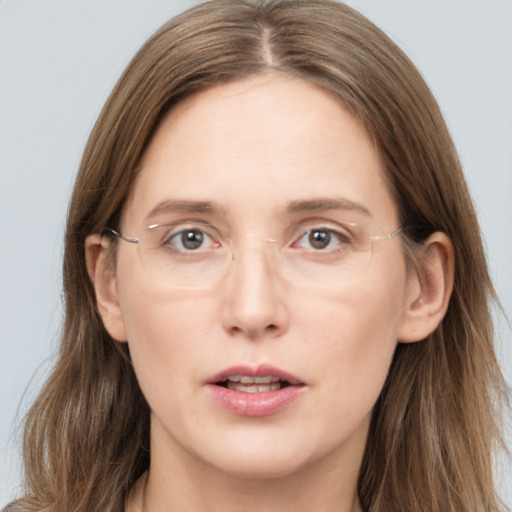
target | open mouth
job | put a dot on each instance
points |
(247, 384)
(251, 391)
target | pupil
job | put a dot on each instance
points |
(192, 239)
(319, 239)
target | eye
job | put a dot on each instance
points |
(320, 239)
(190, 239)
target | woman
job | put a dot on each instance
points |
(276, 293)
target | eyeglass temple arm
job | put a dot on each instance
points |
(120, 235)
(388, 236)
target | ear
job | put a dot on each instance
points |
(430, 288)
(103, 280)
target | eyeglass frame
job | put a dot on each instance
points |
(136, 241)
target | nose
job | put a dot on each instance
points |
(254, 305)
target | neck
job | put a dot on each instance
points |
(185, 483)
(277, 495)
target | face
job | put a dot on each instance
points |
(267, 174)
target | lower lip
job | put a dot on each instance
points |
(265, 403)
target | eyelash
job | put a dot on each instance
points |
(340, 238)
(172, 234)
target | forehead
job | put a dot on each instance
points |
(258, 144)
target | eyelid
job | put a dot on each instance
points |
(339, 240)
(173, 229)
(175, 241)
(291, 235)
(181, 225)
(343, 228)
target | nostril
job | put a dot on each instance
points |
(254, 333)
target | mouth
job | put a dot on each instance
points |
(248, 384)
(249, 379)
(261, 391)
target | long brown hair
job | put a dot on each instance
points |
(436, 424)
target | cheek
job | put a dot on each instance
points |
(156, 323)
(167, 332)
(354, 335)
(168, 342)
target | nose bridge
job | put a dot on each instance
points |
(255, 258)
(254, 252)
(255, 302)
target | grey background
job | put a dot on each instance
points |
(58, 62)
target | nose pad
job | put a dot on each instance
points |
(254, 303)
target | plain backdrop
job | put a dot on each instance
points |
(58, 62)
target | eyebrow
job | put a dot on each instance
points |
(327, 203)
(293, 207)
(177, 205)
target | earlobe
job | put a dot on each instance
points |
(103, 280)
(430, 290)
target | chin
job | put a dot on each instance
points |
(262, 468)
(261, 459)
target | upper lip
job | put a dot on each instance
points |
(262, 370)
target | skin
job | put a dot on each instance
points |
(253, 147)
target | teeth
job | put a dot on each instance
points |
(253, 388)
(248, 384)
(256, 380)
(245, 379)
